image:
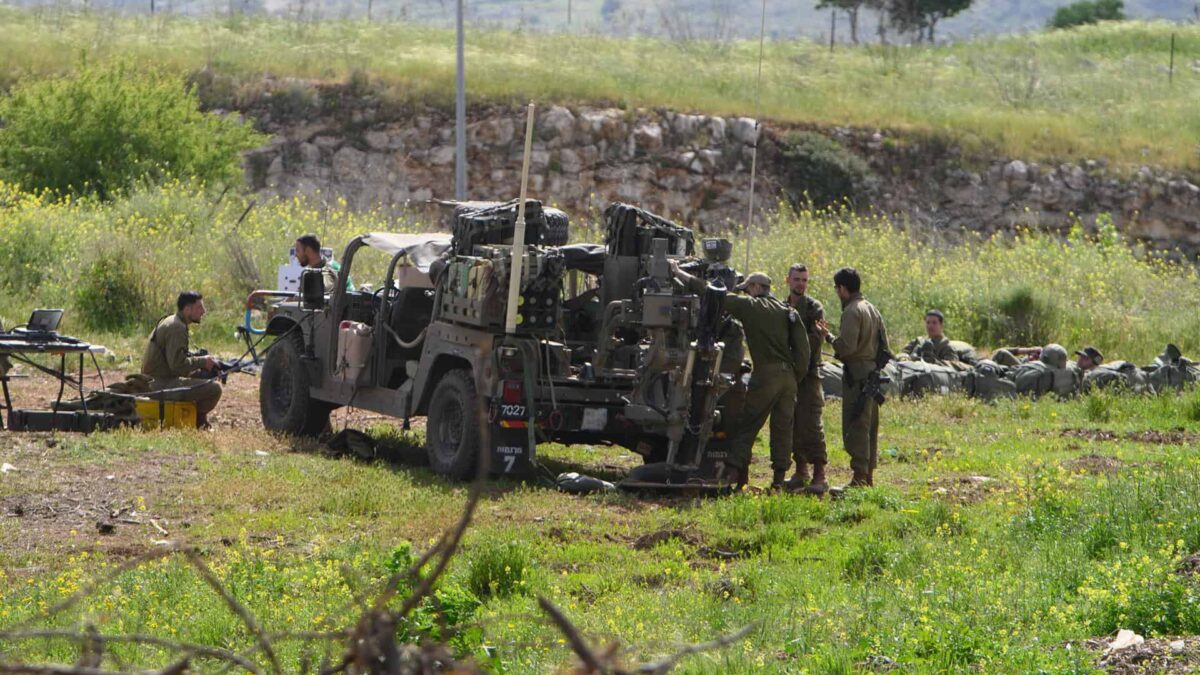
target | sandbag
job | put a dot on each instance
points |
(917, 378)
(989, 380)
(1115, 375)
(1170, 371)
(831, 379)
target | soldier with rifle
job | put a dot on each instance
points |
(862, 347)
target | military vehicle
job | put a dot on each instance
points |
(606, 348)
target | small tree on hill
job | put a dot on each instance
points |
(102, 130)
(922, 16)
(1087, 12)
(851, 8)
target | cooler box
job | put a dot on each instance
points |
(171, 415)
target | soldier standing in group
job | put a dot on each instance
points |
(808, 431)
(170, 367)
(779, 350)
(857, 346)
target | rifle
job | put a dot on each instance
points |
(873, 386)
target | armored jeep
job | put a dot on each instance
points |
(607, 349)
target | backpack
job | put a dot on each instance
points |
(831, 379)
(965, 351)
(989, 381)
(1038, 378)
(1116, 374)
(1170, 370)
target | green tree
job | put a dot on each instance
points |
(923, 16)
(851, 8)
(1087, 12)
(100, 130)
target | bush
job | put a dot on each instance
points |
(110, 295)
(1088, 12)
(498, 570)
(1018, 317)
(821, 171)
(99, 131)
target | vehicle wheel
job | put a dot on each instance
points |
(284, 400)
(452, 436)
(558, 227)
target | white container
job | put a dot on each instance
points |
(354, 350)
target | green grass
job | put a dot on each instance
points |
(937, 568)
(1097, 92)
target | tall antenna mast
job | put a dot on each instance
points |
(762, 36)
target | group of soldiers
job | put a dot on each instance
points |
(785, 340)
(174, 373)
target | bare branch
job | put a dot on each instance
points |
(236, 607)
(668, 663)
(578, 644)
(198, 650)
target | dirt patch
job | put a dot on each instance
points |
(1159, 655)
(1190, 566)
(1177, 436)
(1095, 464)
(652, 539)
(965, 489)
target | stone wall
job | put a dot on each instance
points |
(695, 168)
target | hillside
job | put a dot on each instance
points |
(1099, 92)
(676, 18)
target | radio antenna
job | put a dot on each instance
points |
(762, 36)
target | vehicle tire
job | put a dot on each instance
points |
(557, 231)
(452, 435)
(284, 400)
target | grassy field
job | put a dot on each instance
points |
(1097, 92)
(1000, 537)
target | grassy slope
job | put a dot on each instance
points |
(934, 569)
(1097, 92)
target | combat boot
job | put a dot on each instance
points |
(860, 479)
(778, 481)
(819, 484)
(730, 473)
(800, 478)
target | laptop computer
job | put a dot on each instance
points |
(43, 323)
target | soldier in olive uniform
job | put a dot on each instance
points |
(808, 432)
(308, 254)
(171, 368)
(856, 346)
(935, 346)
(780, 351)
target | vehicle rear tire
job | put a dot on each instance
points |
(452, 435)
(284, 401)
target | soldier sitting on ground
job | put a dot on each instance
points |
(172, 369)
(935, 346)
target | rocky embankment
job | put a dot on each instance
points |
(695, 168)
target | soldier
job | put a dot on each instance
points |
(860, 338)
(780, 351)
(935, 346)
(170, 367)
(1089, 358)
(808, 431)
(308, 254)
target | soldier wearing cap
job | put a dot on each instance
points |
(1089, 358)
(779, 349)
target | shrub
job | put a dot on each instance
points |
(1019, 316)
(868, 559)
(1098, 407)
(823, 172)
(1087, 12)
(102, 130)
(498, 570)
(110, 295)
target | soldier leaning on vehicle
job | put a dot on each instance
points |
(779, 349)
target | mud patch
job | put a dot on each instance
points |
(1158, 655)
(1177, 436)
(1190, 566)
(1098, 465)
(652, 539)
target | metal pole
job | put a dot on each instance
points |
(460, 113)
(832, 28)
(762, 33)
(518, 245)
(1171, 70)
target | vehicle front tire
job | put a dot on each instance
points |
(284, 401)
(452, 435)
